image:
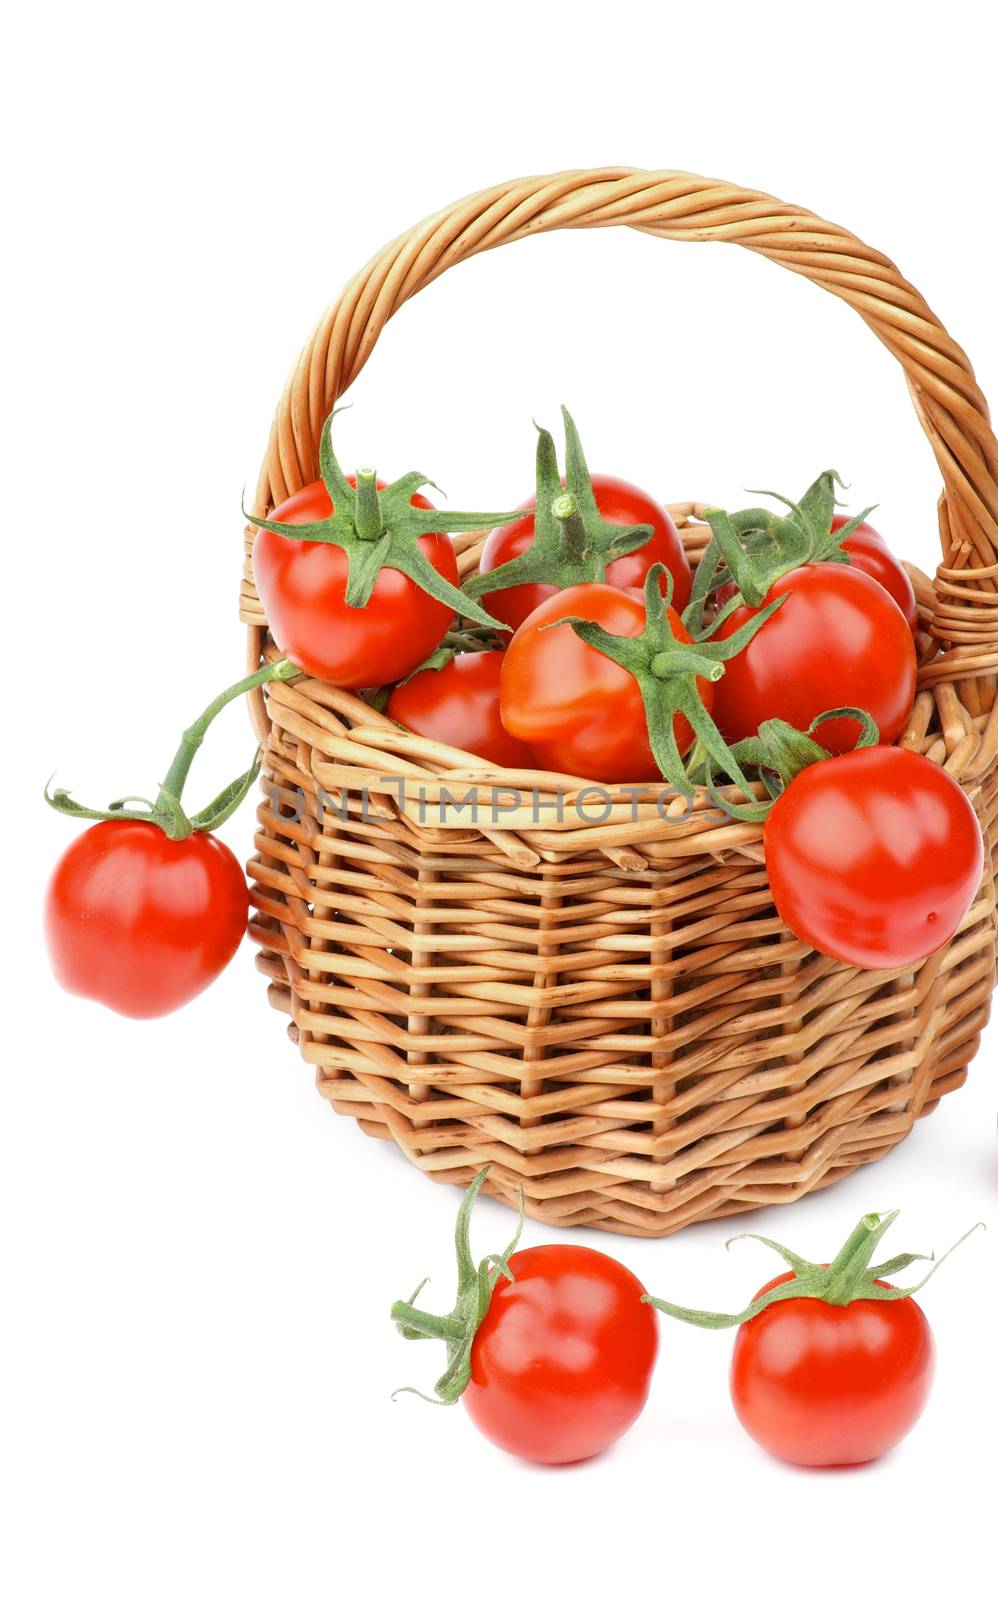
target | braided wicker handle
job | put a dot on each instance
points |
(676, 205)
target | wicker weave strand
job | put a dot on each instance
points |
(612, 1014)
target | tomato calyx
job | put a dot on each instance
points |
(567, 549)
(777, 753)
(848, 1278)
(475, 1287)
(666, 670)
(166, 811)
(757, 546)
(377, 528)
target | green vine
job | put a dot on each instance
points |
(166, 811)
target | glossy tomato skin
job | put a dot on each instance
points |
(562, 1362)
(459, 705)
(141, 922)
(618, 501)
(831, 1386)
(302, 587)
(580, 712)
(874, 857)
(870, 553)
(838, 640)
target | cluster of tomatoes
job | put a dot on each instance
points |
(587, 646)
(583, 645)
(552, 1350)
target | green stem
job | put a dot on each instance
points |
(849, 1278)
(193, 737)
(670, 664)
(423, 1324)
(574, 544)
(851, 1266)
(369, 522)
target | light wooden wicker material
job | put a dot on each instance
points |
(612, 1015)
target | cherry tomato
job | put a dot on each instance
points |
(618, 502)
(579, 711)
(459, 705)
(839, 640)
(141, 922)
(874, 857)
(869, 551)
(562, 1362)
(302, 587)
(820, 1385)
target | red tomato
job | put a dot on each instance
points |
(579, 711)
(141, 922)
(831, 1386)
(868, 550)
(838, 641)
(302, 587)
(562, 1362)
(874, 857)
(618, 502)
(459, 705)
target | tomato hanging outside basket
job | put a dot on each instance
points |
(147, 907)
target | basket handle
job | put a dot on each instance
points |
(678, 205)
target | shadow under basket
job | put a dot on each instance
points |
(596, 995)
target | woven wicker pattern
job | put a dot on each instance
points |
(611, 1014)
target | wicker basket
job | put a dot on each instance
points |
(612, 1015)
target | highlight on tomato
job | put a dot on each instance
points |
(873, 857)
(551, 1348)
(617, 535)
(147, 907)
(840, 637)
(454, 699)
(607, 683)
(832, 1364)
(358, 578)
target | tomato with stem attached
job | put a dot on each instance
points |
(552, 1348)
(358, 578)
(822, 1385)
(303, 584)
(579, 710)
(840, 638)
(832, 1363)
(606, 683)
(617, 534)
(147, 907)
(618, 502)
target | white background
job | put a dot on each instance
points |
(197, 1258)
